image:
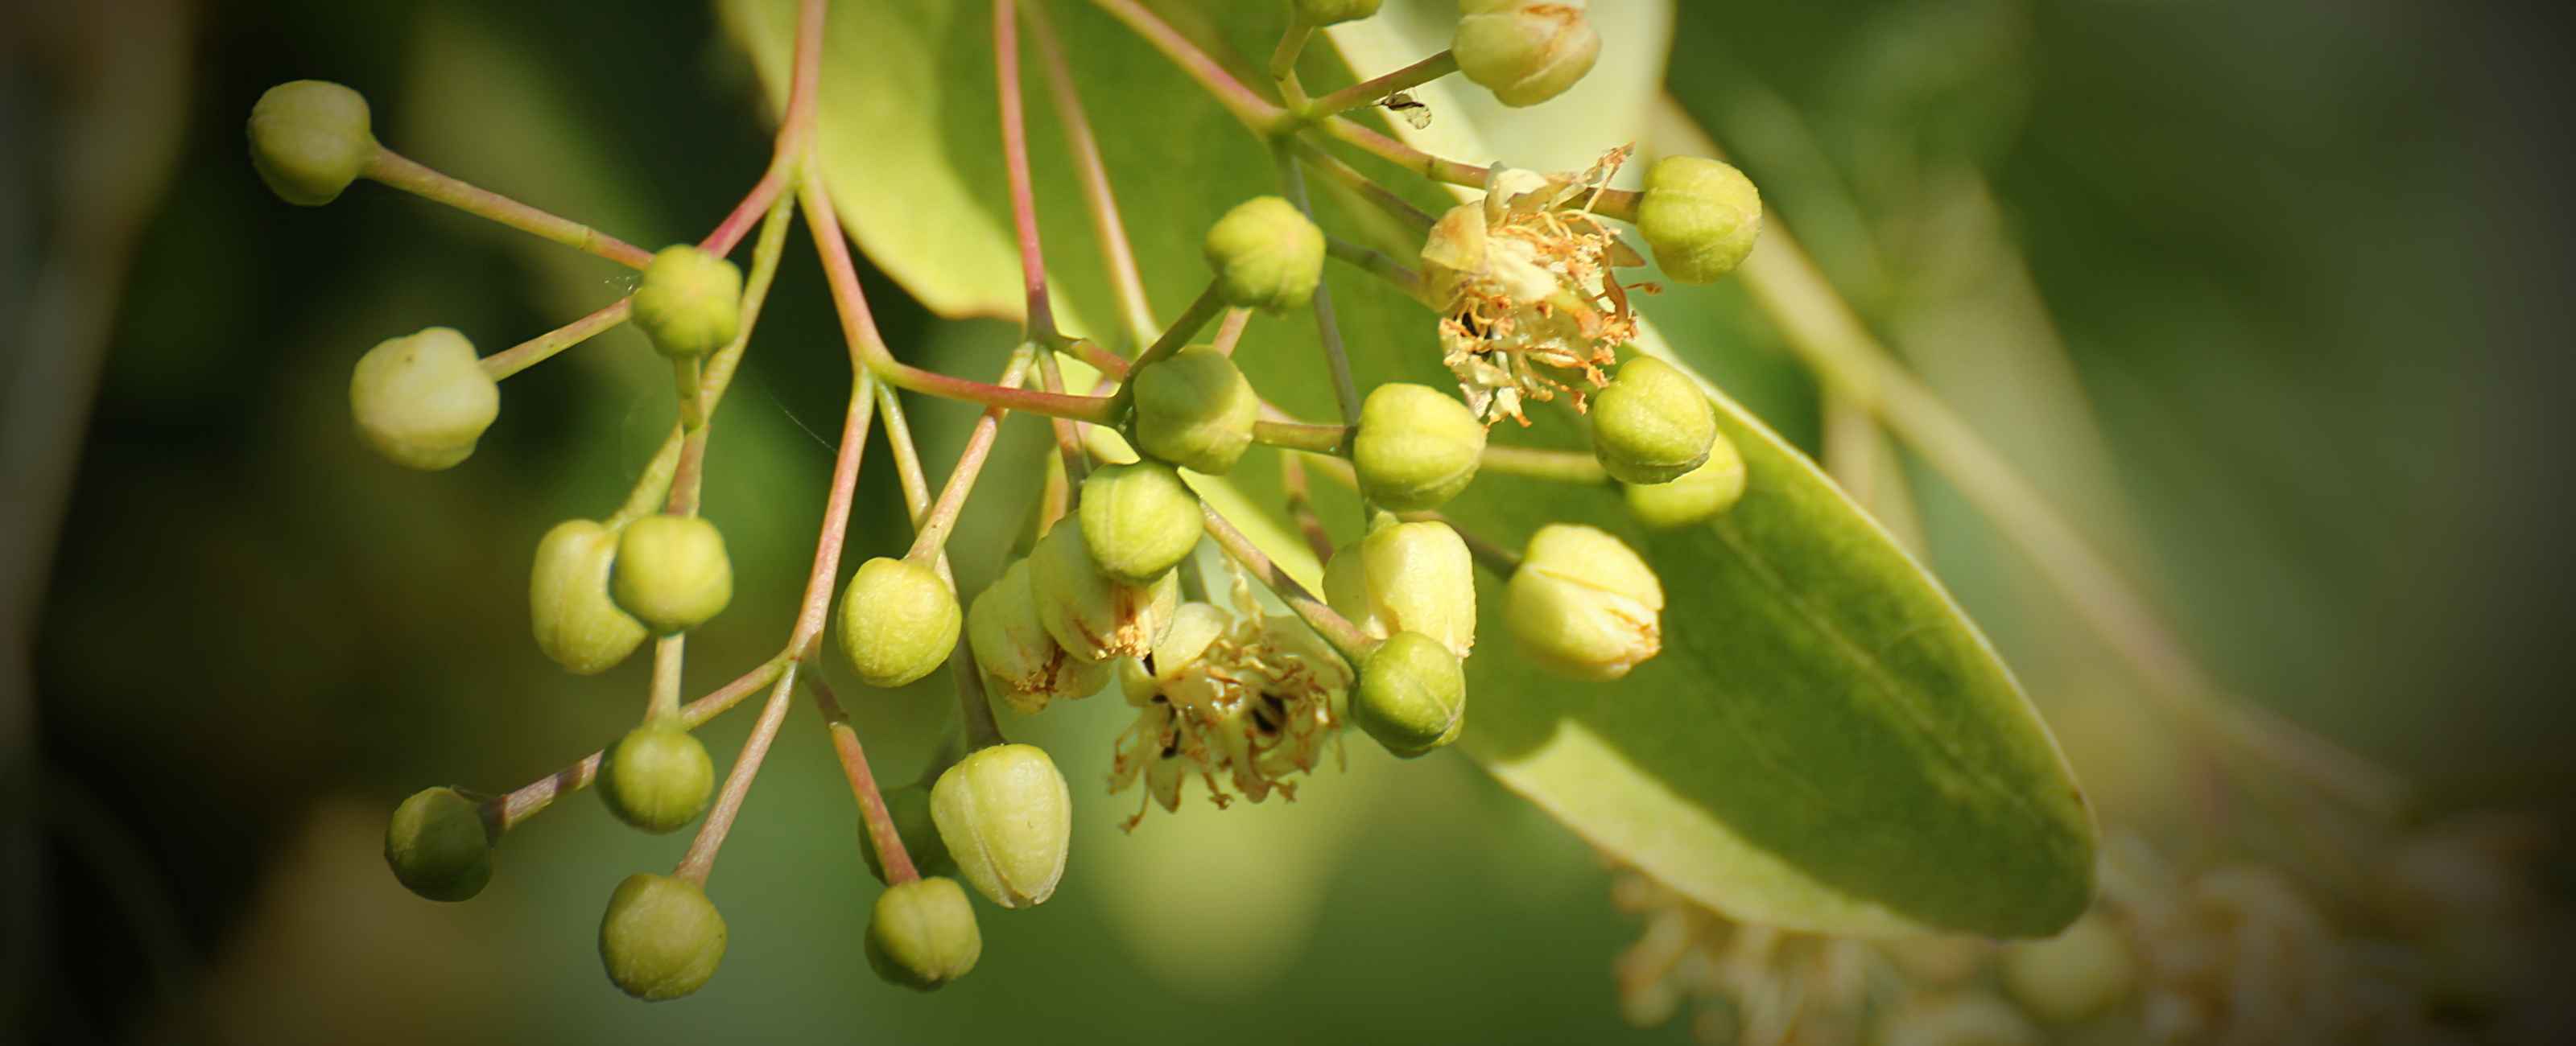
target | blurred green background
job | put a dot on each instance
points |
(2304, 261)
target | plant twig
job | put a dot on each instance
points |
(1126, 280)
(408, 175)
(888, 841)
(1368, 92)
(1346, 638)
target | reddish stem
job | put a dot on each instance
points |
(1040, 319)
(891, 855)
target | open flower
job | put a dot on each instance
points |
(1229, 691)
(1528, 302)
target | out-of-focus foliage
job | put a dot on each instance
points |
(2289, 252)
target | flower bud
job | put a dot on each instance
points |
(2074, 975)
(1331, 12)
(577, 624)
(661, 938)
(1700, 216)
(922, 934)
(909, 807)
(1696, 496)
(1267, 255)
(438, 845)
(1412, 696)
(899, 621)
(1525, 51)
(1007, 819)
(309, 139)
(1013, 647)
(423, 400)
(1139, 520)
(1195, 410)
(1407, 577)
(1416, 447)
(1652, 424)
(1091, 616)
(690, 302)
(1584, 604)
(657, 778)
(672, 573)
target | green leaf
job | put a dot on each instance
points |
(1826, 743)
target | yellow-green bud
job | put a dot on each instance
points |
(309, 139)
(1267, 255)
(438, 845)
(1092, 616)
(1412, 696)
(1139, 520)
(1697, 496)
(423, 400)
(2074, 975)
(1652, 424)
(1525, 51)
(661, 938)
(672, 573)
(1331, 12)
(1195, 410)
(690, 302)
(922, 934)
(1007, 819)
(1407, 577)
(909, 807)
(899, 621)
(657, 778)
(1416, 448)
(1584, 604)
(1015, 650)
(1700, 216)
(578, 625)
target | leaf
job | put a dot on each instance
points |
(1826, 743)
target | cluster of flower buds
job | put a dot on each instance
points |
(1228, 690)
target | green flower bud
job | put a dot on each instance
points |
(1139, 520)
(899, 621)
(922, 934)
(1525, 51)
(438, 845)
(1195, 410)
(1013, 647)
(657, 778)
(1407, 577)
(423, 400)
(661, 938)
(909, 806)
(1093, 617)
(1696, 496)
(1007, 819)
(1416, 448)
(1700, 216)
(672, 573)
(1652, 424)
(1584, 604)
(690, 302)
(309, 139)
(1332, 12)
(1412, 696)
(1267, 255)
(577, 624)
(2074, 975)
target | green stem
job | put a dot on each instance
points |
(1313, 439)
(1563, 466)
(700, 859)
(543, 347)
(1346, 638)
(1068, 437)
(1377, 264)
(1369, 92)
(1191, 321)
(1351, 178)
(1349, 132)
(516, 807)
(933, 534)
(1283, 61)
(1262, 116)
(1488, 553)
(401, 172)
(1126, 280)
(863, 783)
